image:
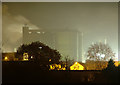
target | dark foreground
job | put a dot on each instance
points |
(28, 73)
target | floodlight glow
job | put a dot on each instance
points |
(40, 47)
(76, 66)
(102, 55)
(98, 54)
(31, 56)
(49, 59)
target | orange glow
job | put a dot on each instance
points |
(56, 67)
(49, 59)
(76, 66)
(25, 57)
(6, 58)
(117, 63)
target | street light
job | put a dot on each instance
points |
(40, 47)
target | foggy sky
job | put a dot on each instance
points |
(97, 21)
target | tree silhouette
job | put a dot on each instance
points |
(100, 52)
(111, 65)
(68, 62)
(111, 72)
(39, 53)
(118, 67)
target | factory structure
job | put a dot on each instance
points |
(67, 42)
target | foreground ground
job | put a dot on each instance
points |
(28, 73)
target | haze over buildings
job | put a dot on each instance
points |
(97, 21)
(67, 42)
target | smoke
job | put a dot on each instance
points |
(12, 29)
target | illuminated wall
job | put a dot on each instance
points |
(8, 56)
(67, 42)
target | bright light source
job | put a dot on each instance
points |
(76, 62)
(38, 32)
(30, 32)
(40, 47)
(98, 54)
(49, 59)
(31, 56)
(117, 63)
(6, 58)
(25, 57)
(102, 55)
(56, 67)
(83, 61)
(15, 50)
(76, 66)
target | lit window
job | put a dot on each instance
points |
(25, 57)
(38, 32)
(6, 58)
(30, 32)
(56, 67)
(49, 59)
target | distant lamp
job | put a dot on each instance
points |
(38, 32)
(30, 32)
(40, 47)
(98, 54)
(6, 58)
(49, 60)
(102, 55)
(83, 61)
(31, 56)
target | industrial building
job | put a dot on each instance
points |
(67, 42)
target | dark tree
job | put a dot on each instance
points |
(111, 65)
(68, 62)
(39, 53)
(118, 67)
(111, 72)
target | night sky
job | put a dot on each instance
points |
(97, 21)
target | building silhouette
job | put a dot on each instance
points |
(67, 42)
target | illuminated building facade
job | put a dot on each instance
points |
(8, 56)
(67, 42)
(77, 66)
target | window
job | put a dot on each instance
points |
(38, 32)
(30, 32)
